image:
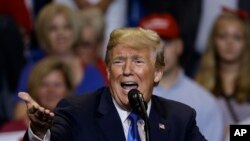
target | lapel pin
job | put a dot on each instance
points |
(162, 126)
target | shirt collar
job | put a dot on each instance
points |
(123, 114)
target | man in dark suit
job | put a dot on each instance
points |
(134, 60)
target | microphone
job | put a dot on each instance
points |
(139, 106)
(137, 102)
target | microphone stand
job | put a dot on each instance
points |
(139, 106)
(146, 119)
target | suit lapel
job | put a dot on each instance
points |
(108, 118)
(159, 128)
(111, 126)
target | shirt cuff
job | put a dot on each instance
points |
(33, 137)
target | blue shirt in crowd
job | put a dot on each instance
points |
(209, 117)
(91, 81)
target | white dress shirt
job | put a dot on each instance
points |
(33, 137)
(126, 122)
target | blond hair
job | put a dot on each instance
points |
(94, 18)
(137, 38)
(207, 74)
(45, 17)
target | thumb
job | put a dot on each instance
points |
(27, 99)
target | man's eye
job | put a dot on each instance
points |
(139, 61)
(117, 62)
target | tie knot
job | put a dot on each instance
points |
(133, 117)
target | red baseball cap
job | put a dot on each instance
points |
(163, 24)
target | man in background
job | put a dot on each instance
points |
(176, 85)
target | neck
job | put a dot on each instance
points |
(169, 77)
(65, 57)
(228, 73)
(93, 60)
(229, 68)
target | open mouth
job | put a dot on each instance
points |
(128, 85)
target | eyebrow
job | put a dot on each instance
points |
(119, 58)
(123, 57)
(137, 57)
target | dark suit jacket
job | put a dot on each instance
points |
(93, 117)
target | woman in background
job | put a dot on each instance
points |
(58, 31)
(225, 69)
(89, 46)
(50, 81)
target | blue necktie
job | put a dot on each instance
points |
(133, 134)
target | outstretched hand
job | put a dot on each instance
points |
(41, 118)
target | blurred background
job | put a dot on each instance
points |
(55, 48)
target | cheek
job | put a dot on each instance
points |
(115, 72)
(51, 35)
(143, 73)
(69, 34)
(238, 51)
(220, 43)
(146, 74)
(108, 73)
(170, 53)
(239, 47)
(168, 58)
(62, 92)
(41, 92)
(51, 40)
(220, 46)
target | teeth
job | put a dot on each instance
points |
(129, 85)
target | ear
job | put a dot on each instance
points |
(179, 45)
(158, 75)
(108, 72)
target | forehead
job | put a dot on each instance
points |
(229, 23)
(53, 74)
(125, 50)
(59, 18)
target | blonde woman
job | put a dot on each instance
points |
(57, 31)
(225, 69)
(90, 43)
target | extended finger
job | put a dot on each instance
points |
(51, 114)
(28, 100)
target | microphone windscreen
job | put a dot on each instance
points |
(133, 97)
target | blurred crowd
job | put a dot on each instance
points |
(55, 48)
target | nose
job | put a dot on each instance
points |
(50, 88)
(127, 68)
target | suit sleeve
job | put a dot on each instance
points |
(193, 133)
(64, 124)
